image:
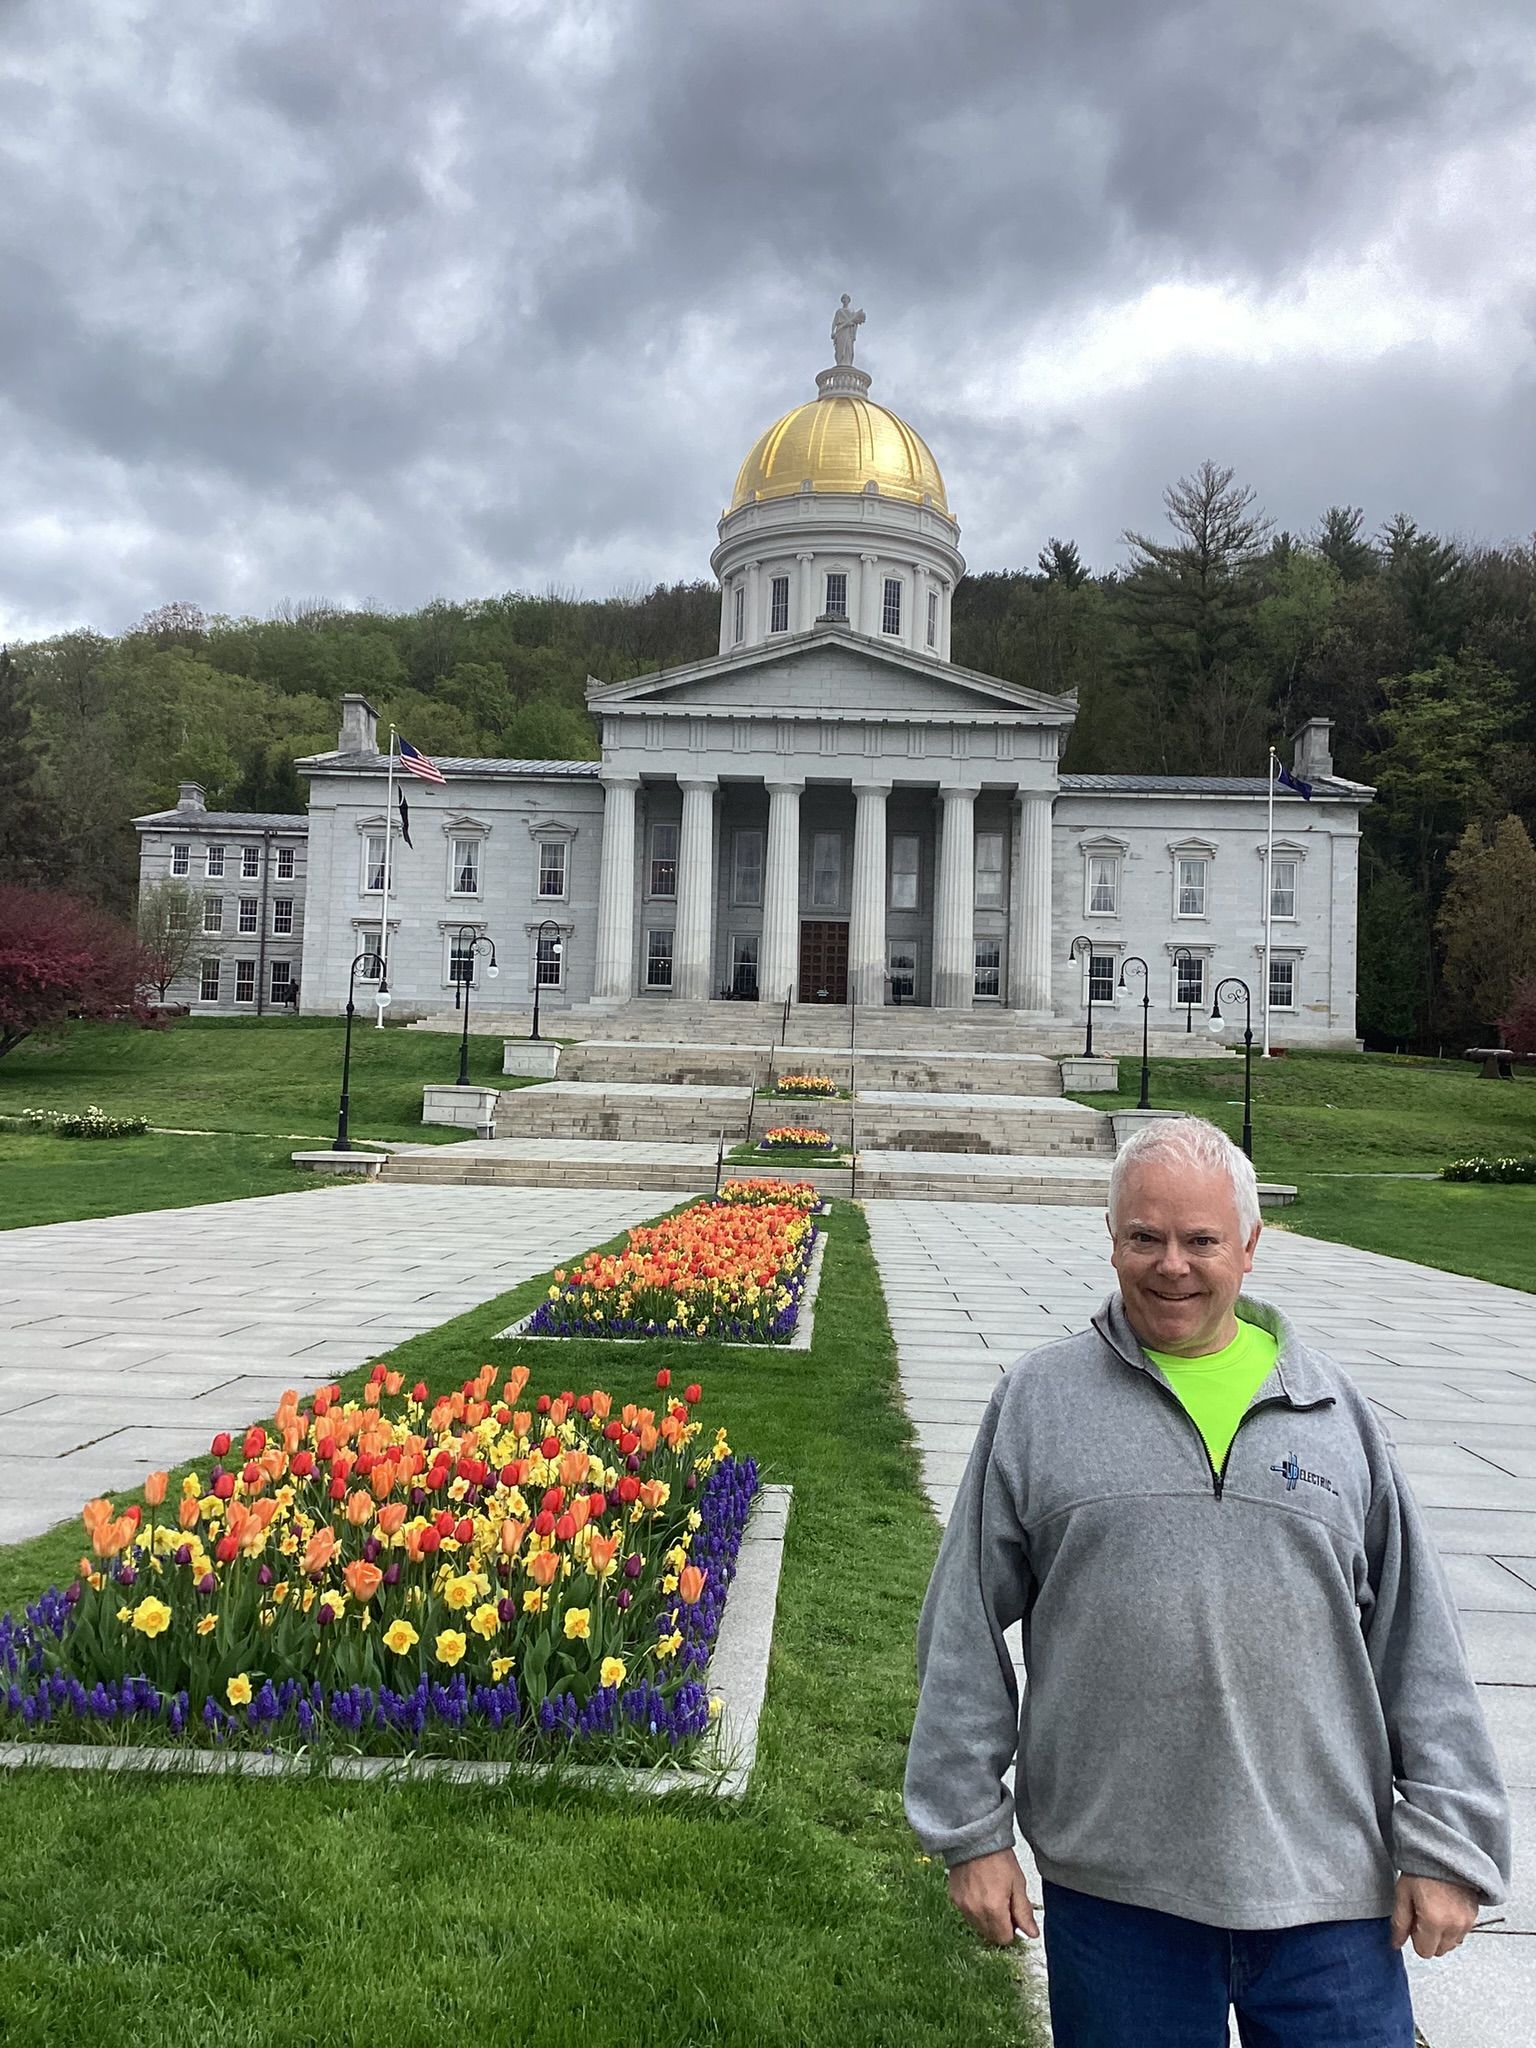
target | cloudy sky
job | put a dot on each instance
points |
(377, 300)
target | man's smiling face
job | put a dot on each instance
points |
(1181, 1255)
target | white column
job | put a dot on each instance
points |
(781, 894)
(954, 910)
(805, 580)
(754, 631)
(917, 628)
(869, 594)
(866, 928)
(615, 977)
(692, 949)
(1029, 912)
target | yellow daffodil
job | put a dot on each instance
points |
(484, 1621)
(206, 1624)
(613, 1671)
(400, 1637)
(669, 1645)
(238, 1691)
(533, 1600)
(500, 1666)
(450, 1646)
(578, 1624)
(125, 1614)
(151, 1617)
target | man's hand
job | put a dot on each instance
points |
(990, 1891)
(1438, 1916)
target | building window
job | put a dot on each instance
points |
(285, 863)
(549, 960)
(664, 862)
(1282, 889)
(552, 867)
(747, 868)
(906, 849)
(250, 863)
(1282, 984)
(245, 981)
(214, 864)
(1189, 981)
(890, 610)
(181, 860)
(989, 967)
(368, 946)
(989, 870)
(282, 981)
(658, 959)
(826, 870)
(282, 916)
(1102, 969)
(213, 913)
(1191, 885)
(461, 959)
(933, 618)
(373, 863)
(208, 986)
(465, 880)
(250, 913)
(778, 611)
(744, 965)
(901, 958)
(837, 594)
(1103, 884)
(739, 632)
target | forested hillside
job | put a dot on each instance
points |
(1212, 639)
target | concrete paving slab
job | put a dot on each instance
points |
(1501, 1647)
(1482, 1582)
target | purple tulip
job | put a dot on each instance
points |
(391, 1575)
(207, 1583)
(634, 1565)
(264, 1575)
(622, 1598)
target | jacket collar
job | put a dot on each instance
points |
(1300, 1376)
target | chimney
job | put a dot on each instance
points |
(1312, 757)
(191, 797)
(359, 726)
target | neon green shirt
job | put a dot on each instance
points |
(1217, 1388)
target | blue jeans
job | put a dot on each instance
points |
(1126, 1977)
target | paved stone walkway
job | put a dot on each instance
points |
(1451, 1364)
(126, 1342)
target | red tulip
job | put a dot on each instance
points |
(443, 1522)
(255, 1442)
(226, 1549)
(224, 1486)
(419, 1391)
(550, 1447)
(554, 1497)
(693, 1393)
(628, 1489)
(565, 1528)
(613, 1431)
(337, 1489)
(464, 1531)
(429, 1540)
(303, 1465)
(510, 1474)
(544, 1524)
(664, 1377)
(597, 1505)
(220, 1444)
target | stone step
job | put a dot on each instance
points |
(744, 1066)
(954, 1177)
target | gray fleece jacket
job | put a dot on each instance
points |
(1247, 1699)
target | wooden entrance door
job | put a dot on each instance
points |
(823, 962)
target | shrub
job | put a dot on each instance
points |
(87, 1123)
(1518, 1026)
(1488, 1170)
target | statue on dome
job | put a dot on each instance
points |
(845, 325)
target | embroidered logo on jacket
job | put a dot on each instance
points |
(1294, 1475)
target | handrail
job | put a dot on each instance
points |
(784, 1020)
(719, 1163)
(853, 1100)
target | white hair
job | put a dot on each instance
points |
(1188, 1141)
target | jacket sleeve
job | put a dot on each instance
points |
(967, 1726)
(1451, 1819)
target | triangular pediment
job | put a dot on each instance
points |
(829, 671)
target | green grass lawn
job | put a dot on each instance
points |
(262, 1087)
(288, 1913)
(1320, 1119)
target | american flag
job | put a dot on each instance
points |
(418, 764)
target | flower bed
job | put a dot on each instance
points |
(795, 1138)
(758, 1194)
(87, 1123)
(731, 1271)
(805, 1084)
(1515, 1170)
(458, 1576)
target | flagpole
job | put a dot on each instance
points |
(389, 819)
(1269, 892)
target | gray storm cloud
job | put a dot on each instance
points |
(379, 301)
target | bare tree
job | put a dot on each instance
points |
(167, 931)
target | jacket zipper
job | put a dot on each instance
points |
(1219, 1475)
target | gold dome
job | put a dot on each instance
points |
(841, 443)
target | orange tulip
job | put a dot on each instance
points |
(648, 1438)
(363, 1580)
(262, 1512)
(189, 1511)
(392, 1518)
(359, 1507)
(602, 1553)
(522, 1421)
(601, 1405)
(650, 1493)
(393, 1382)
(319, 1550)
(511, 1537)
(543, 1567)
(581, 1511)
(382, 1479)
(110, 1539)
(516, 1380)
(154, 1488)
(94, 1513)
(573, 1466)
(371, 1394)
(690, 1584)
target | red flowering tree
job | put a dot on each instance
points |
(1517, 1027)
(61, 958)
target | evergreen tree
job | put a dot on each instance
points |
(1487, 924)
(28, 847)
(1339, 541)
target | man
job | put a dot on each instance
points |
(1251, 1761)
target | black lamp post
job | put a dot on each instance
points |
(467, 942)
(1183, 953)
(1213, 1024)
(549, 925)
(343, 1142)
(1136, 960)
(1072, 955)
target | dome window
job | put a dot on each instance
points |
(890, 615)
(837, 595)
(778, 614)
(933, 618)
(740, 622)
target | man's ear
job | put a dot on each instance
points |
(1251, 1247)
(1109, 1225)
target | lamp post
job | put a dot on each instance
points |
(1213, 1024)
(549, 925)
(1183, 953)
(1080, 940)
(467, 942)
(343, 1142)
(1135, 960)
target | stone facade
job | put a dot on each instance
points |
(249, 870)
